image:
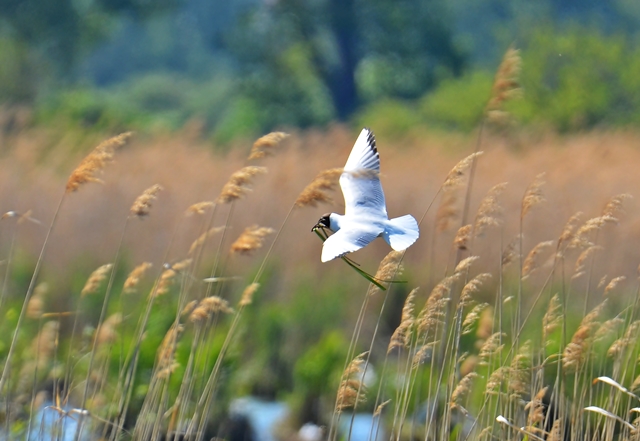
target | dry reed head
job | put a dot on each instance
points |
(472, 287)
(520, 372)
(351, 391)
(607, 329)
(505, 84)
(464, 265)
(456, 175)
(95, 161)
(203, 238)
(316, 191)
(449, 209)
(494, 383)
(472, 317)
(627, 341)
(238, 184)
(35, 307)
(491, 348)
(461, 241)
(134, 277)
(95, 279)
(209, 306)
(531, 263)
(168, 275)
(251, 239)
(576, 351)
(381, 406)
(166, 363)
(199, 208)
(462, 389)
(581, 238)
(247, 294)
(265, 145)
(107, 334)
(402, 335)
(533, 195)
(485, 324)
(568, 231)
(613, 284)
(509, 254)
(433, 312)
(142, 204)
(552, 319)
(389, 267)
(556, 433)
(582, 259)
(45, 343)
(489, 212)
(615, 205)
(536, 408)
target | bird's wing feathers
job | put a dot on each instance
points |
(346, 241)
(360, 181)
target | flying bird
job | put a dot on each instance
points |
(365, 216)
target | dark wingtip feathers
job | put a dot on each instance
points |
(371, 140)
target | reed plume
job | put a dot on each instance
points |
(489, 212)
(628, 340)
(491, 347)
(133, 279)
(402, 335)
(576, 351)
(505, 85)
(166, 362)
(316, 191)
(461, 241)
(142, 205)
(472, 317)
(239, 184)
(247, 294)
(351, 390)
(251, 239)
(107, 333)
(433, 312)
(265, 145)
(509, 254)
(35, 306)
(203, 238)
(462, 389)
(533, 195)
(209, 306)
(168, 275)
(199, 208)
(536, 408)
(472, 287)
(552, 319)
(389, 267)
(531, 262)
(95, 279)
(95, 162)
(568, 232)
(583, 257)
(613, 284)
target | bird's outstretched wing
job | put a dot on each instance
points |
(346, 241)
(360, 181)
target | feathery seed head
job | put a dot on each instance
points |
(533, 195)
(247, 294)
(505, 85)
(142, 204)
(402, 335)
(199, 208)
(95, 279)
(134, 277)
(316, 191)
(462, 237)
(238, 184)
(95, 162)
(265, 145)
(531, 263)
(251, 239)
(203, 238)
(489, 212)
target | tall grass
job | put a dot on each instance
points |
(513, 317)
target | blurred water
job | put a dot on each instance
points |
(264, 416)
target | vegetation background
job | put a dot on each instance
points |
(198, 82)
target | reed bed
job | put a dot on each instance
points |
(515, 315)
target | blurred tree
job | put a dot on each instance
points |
(62, 30)
(352, 51)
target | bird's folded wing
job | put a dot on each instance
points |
(360, 181)
(345, 241)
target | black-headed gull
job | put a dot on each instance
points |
(365, 215)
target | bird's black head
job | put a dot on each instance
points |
(324, 222)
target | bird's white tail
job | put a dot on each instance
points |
(402, 233)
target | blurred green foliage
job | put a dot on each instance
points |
(246, 67)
